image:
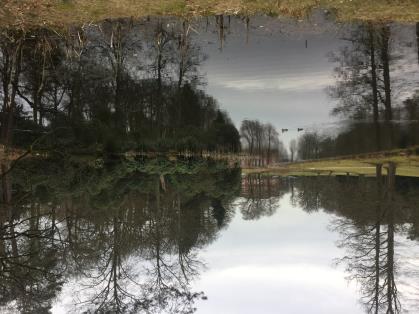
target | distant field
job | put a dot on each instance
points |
(407, 165)
(32, 13)
(406, 160)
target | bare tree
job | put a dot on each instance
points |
(309, 146)
(370, 247)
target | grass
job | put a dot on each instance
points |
(407, 165)
(406, 160)
(62, 13)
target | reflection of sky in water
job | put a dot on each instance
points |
(275, 78)
(278, 264)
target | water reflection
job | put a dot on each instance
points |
(365, 93)
(111, 88)
(125, 85)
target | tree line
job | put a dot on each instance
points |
(91, 221)
(375, 228)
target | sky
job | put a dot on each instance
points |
(282, 263)
(278, 264)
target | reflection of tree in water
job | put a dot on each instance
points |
(371, 92)
(117, 86)
(130, 237)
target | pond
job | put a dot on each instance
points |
(216, 164)
(213, 84)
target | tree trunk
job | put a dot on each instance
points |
(377, 240)
(391, 287)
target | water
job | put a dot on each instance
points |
(159, 84)
(121, 149)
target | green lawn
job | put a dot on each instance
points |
(407, 165)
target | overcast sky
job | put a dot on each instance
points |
(278, 264)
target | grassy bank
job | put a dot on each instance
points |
(30, 13)
(407, 165)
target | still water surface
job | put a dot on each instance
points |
(167, 84)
